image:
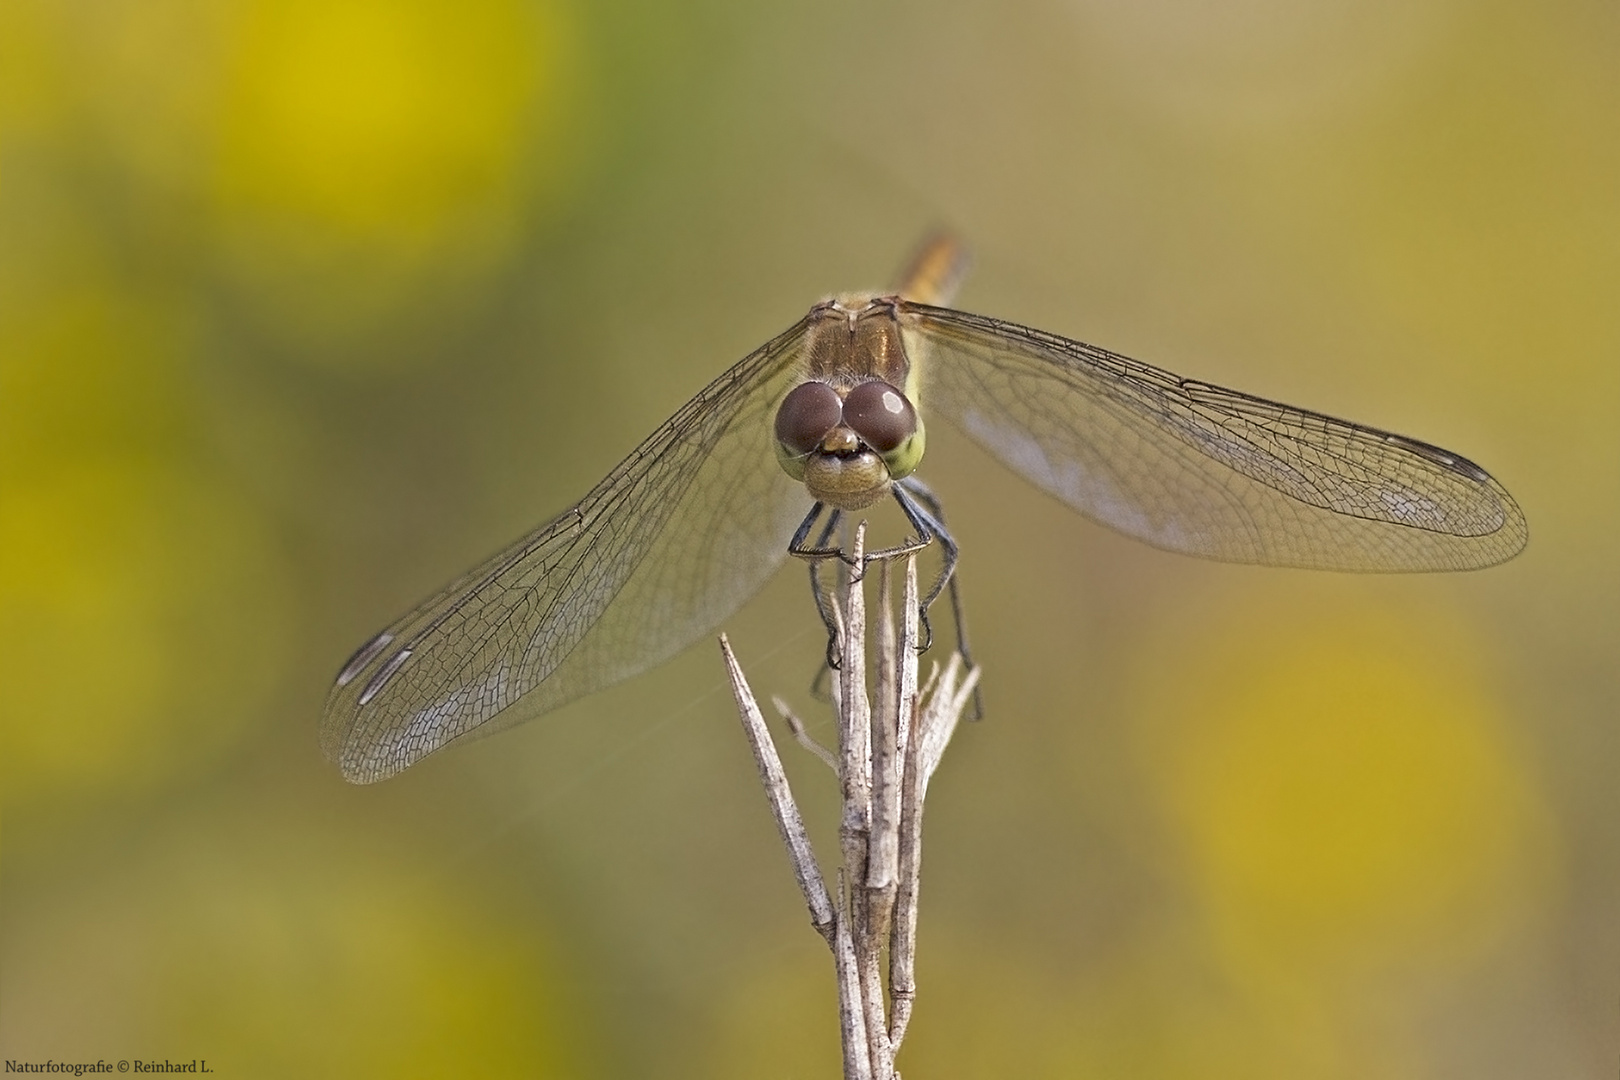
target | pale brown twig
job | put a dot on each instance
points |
(887, 752)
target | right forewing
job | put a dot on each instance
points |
(1201, 469)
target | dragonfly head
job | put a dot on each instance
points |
(848, 444)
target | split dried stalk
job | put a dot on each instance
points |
(889, 744)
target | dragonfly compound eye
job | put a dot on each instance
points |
(886, 422)
(881, 415)
(808, 412)
(806, 415)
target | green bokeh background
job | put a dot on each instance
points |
(305, 307)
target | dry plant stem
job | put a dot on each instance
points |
(854, 723)
(789, 822)
(945, 708)
(885, 856)
(936, 720)
(796, 726)
(907, 825)
(889, 746)
(855, 830)
(852, 1026)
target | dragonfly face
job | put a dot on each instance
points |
(850, 431)
(697, 518)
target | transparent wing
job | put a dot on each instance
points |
(673, 541)
(1200, 469)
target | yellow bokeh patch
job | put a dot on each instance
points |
(1344, 788)
(144, 610)
(383, 119)
(378, 165)
(88, 368)
(251, 937)
(31, 77)
(376, 975)
(144, 619)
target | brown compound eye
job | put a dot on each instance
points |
(880, 415)
(808, 412)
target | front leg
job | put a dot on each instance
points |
(815, 555)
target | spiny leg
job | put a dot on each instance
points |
(923, 494)
(823, 549)
(925, 513)
(928, 529)
(815, 555)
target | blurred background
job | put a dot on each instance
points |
(306, 307)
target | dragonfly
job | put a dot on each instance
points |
(832, 412)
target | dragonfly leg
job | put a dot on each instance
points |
(921, 493)
(815, 555)
(822, 548)
(927, 517)
(929, 528)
